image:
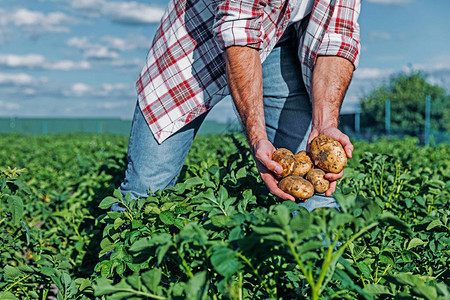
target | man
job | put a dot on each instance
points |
(286, 64)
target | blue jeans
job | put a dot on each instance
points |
(287, 110)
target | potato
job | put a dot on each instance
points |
(304, 163)
(286, 159)
(319, 182)
(296, 186)
(328, 154)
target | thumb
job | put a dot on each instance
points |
(273, 166)
(264, 156)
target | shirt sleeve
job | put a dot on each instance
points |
(342, 37)
(239, 23)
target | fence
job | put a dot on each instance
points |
(351, 124)
(99, 126)
(58, 126)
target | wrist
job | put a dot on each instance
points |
(255, 139)
(324, 122)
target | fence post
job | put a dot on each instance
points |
(99, 127)
(44, 127)
(358, 120)
(387, 116)
(427, 120)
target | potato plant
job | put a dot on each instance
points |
(218, 234)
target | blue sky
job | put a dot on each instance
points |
(80, 58)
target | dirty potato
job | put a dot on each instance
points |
(328, 154)
(296, 186)
(319, 182)
(304, 163)
(286, 159)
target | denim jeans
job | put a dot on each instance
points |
(287, 110)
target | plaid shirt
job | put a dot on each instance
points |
(184, 75)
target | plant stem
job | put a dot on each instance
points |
(263, 281)
(18, 281)
(373, 179)
(308, 277)
(185, 265)
(328, 260)
(149, 295)
(361, 232)
(240, 285)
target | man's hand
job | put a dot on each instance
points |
(244, 75)
(331, 77)
(345, 142)
(262, 151)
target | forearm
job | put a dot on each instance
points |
(331, 78)
(244, 74)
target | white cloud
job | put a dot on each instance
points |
(105, 91)
(366, 80)
(128, 63)
(100, 53)
(390, 2)
(113, 105)
(379, 36)
(9, 106)
(120, 11)
(129, 43)
(36, 22)
(20, 79)
(108, 46)
(68, 65)
(372, 73)
(38, 61)
(79, 42)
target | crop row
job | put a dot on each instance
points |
(218, 234)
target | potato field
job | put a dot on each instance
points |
(218, 234)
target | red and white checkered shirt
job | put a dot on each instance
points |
(184, 75)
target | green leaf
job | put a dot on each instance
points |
(377, 289)
(7, 296)
(118, 222)
(162, 250)
(15, 205)
(104, 286)
(220, 220)
(194, 286)
(340, 219)
(151, 279)
(22, 186)
(391, 220)
(282, 216)
(47, 271)
(417, 283)
(167, 217)
(107, 202)
(386, 258)
(267, 230)
(302, 220)
(414, 243)
(308, 246)
(117, 194)
(346, 202)
(434, 224)
(241, 173)
(140, 245)
(365, 269)
(224, 261)
(11, 273)
(193, 181)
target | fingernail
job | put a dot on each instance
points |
(278, 170)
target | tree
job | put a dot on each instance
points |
(407, 95)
